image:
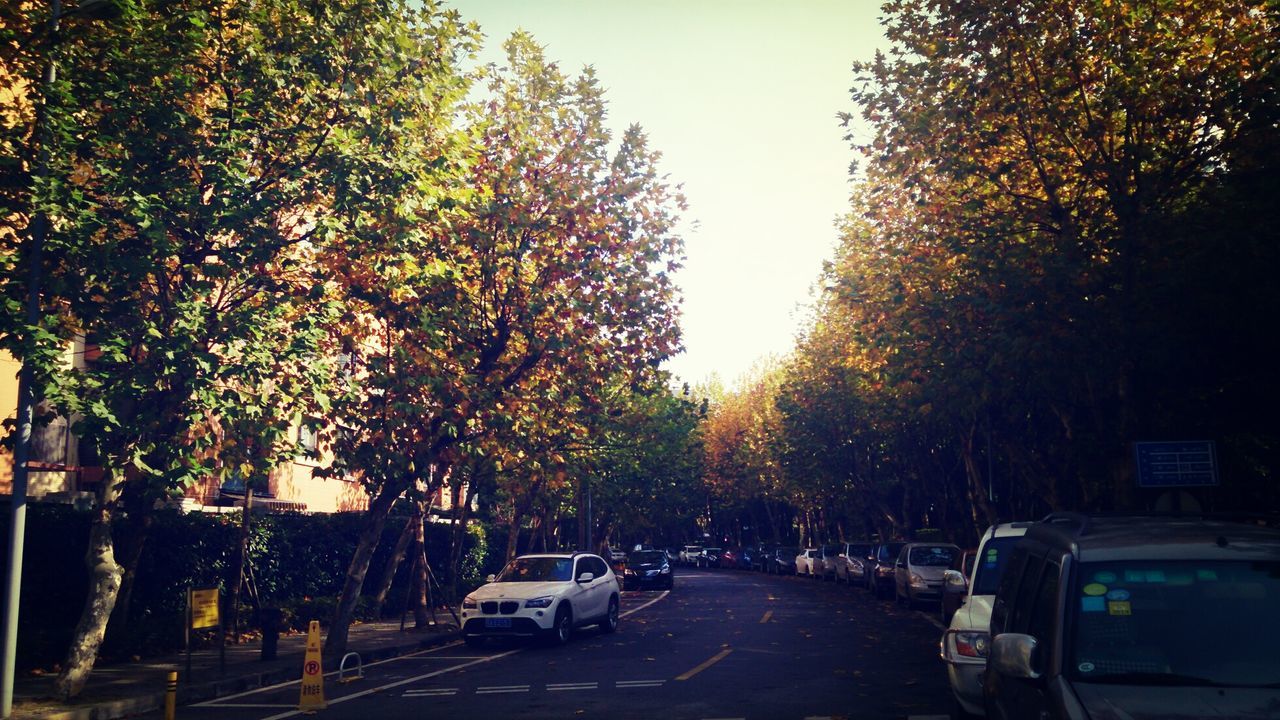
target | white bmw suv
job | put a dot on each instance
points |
(543, 596)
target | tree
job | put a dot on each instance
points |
(197, 146)
(548, 267)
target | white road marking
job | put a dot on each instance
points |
(257, 705)
(501, 689)
(398, 683)
(429, 692)
(638, 683)
(572, 686)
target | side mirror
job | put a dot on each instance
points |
(954, 582)
(1014, 655)
(491, 578)
(586, 577)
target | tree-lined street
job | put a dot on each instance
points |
(721, 645)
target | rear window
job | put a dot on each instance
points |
(889, 553)
(1176, 623)
(646, 556)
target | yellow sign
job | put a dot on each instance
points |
(312, 675)
(204, 608)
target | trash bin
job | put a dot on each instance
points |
(270, 619)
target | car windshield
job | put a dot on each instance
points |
(995, 555)
(789, 553)
(646, 556)
(890, 551)
(937, 556)
(710, 551)
(859, 550)
(1196, 623)
(537, 569)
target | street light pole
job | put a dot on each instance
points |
(38, 229)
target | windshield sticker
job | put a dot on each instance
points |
(1086, 667)
(1118, 594)
(1135, 576)
(1119, 607)
(1104, 577)
(1093, 604)
(1208, 575)
(1155, 576)
(1095, 589)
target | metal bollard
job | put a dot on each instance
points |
(171, 695)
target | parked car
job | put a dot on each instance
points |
(824, 563)
(763, 558)
(708, 558)
(804, 561)
(917, 574)
(955, 585)
(851, 562)
(729, 558)
(689, 554)
(1137, 617)
(880, 567)
(746, 558)
(967, 639)
(648, 569)
(544, 595)
(783, 561)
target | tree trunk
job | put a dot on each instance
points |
(457, 542)
(977, 487)
(131, 545)
(336, 643)
(104, 587)
(393, 564)
(241, 558)
(420, 576)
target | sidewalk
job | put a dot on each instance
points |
(120, 690)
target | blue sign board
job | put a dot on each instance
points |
(1187, 463)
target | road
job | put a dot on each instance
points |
(723, 644)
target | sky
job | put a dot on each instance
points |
(741, 98)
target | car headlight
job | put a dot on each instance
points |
(884, 571)
(469, 602)
(972, 644)
(917, 581)
(628, 571)
(540, 602)
(666, 569)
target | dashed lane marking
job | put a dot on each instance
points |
(767, 614)
(937, 624)
(624, 684)
(561, 687)
(388, 686)
(714, 659)
(430, 692)
(501, 689)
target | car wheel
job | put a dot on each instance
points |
(610, 622)
(563, 627)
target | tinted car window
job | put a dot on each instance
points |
(537, 570)
(1020, 609)
(995, 556)
(645, 557)
(932, 556)
(889, 552)
(1168, 622)
(859, 550)
(1044, 615)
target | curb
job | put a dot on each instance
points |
(148, 702)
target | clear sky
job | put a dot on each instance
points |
(741, 98)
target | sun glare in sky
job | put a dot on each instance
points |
(741, 98)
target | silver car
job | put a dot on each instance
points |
(917, 575)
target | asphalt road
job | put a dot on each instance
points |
(723, 644)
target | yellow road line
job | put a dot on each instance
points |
(767, 614)
(714, 659)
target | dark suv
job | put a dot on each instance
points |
(1137, 617)
(879, 574)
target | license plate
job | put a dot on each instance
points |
(497, 622)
